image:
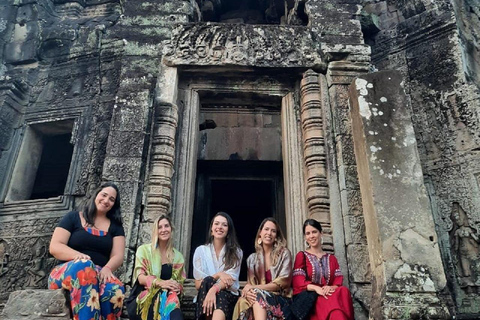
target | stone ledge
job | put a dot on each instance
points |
(45, 304)
(38, 304)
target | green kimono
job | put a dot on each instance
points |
(148, 262)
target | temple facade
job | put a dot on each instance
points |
(362, 114)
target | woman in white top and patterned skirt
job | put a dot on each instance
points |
(216, 267)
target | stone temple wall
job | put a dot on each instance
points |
(434, 44)
(112, 69)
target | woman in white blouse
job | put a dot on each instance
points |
(216, 267)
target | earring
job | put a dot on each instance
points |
(307, 244)
(275, 243)
(259, 241)
(321, 240)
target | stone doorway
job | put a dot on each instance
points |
(228, 121)
(248, 191)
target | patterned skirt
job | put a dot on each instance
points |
(272, 303)
(225, 300)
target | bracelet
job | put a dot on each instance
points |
(218, 288)
(106, 266)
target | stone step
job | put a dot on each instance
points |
(36, 304)
(44, 304)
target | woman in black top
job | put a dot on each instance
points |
(91, 244)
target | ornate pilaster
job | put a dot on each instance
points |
(163, 154)
(314, 149)
(159, 187)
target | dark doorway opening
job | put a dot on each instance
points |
(249, 191)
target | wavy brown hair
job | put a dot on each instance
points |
(280, 240)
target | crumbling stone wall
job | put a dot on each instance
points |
(433, 43)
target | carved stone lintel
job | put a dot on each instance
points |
(314, 148)
(240, 44)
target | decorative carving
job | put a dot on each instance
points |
(163, 155)
(465, 248)
(36, 266)
(314, 148)
(3, 258)
(240, 44)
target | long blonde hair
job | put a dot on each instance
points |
(170, 253)
(280, 241)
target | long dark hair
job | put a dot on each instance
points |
(231, 258)
(313, 223)
(90, 209)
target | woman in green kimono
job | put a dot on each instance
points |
(268, 288)
(159, 271)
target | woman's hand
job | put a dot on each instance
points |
(250, 295)
(81, 256)
(226, 279)
(210, 302)
(106, 274)
(325, 291)
(245, 289)
(170, 285)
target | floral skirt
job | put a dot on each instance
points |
(272, 303)
(89, 299)
(225, 300)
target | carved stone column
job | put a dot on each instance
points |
(162, 156)
(293, 164)
(314, 149)
(186, 164)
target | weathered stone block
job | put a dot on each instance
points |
(122, 169)
(130, 117)
(391, 183)
(21, 52)
(359, 263)
(36, 305)
(125, 143)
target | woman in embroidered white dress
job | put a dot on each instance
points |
(216, 267)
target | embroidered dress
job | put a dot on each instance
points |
(89, 299)
(157, 303)
(272, 302)
(205, 265)
(324, 271)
